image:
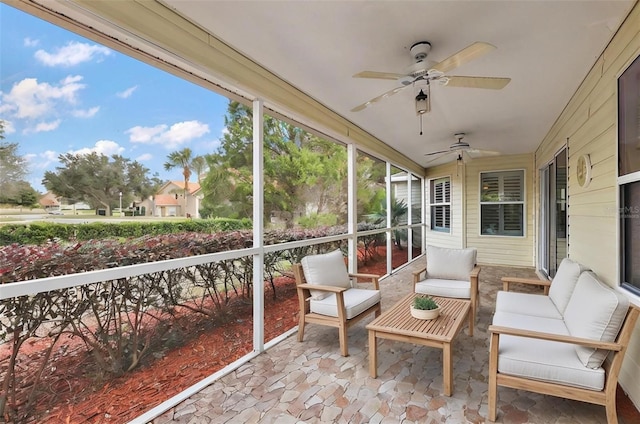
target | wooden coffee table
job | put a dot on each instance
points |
(398, 324)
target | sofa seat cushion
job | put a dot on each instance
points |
(445, 288)
(326, 269)
(528, 304)
(564, 282)
(595, 311)
(356, 301)
(450, 264)
(520, 356)
(530, 322)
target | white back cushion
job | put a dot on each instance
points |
(450, 264)
(564, 282)
(595, 311)
(327, 269)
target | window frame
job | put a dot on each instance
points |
(522, 202)
(434, 204)
(624, 181)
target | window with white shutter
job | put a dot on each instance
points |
(502, 203)
(440, 200)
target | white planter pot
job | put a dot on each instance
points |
(425, 313)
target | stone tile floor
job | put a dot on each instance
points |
(310, 382)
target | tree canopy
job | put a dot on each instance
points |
(303, 173)
(14, 189)
(98, 180)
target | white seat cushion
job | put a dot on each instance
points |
(521, 356)
(595, 311)
(526, 303)
(356, 301)
(450, 264)
(564, 282)
(327, 269)
(530, 322)
(444, 288)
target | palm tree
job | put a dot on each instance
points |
(181, 159)
(198, 165)
(398, 210)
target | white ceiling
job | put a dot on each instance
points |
(545, 47)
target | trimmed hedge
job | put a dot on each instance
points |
(42, 232)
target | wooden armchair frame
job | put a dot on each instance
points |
(341, 322)
(475, 296)
(605, 397)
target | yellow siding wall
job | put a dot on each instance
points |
(500, 250)
(465, 217)
(589, 122)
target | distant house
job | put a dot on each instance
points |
(49, 201)
(169, 200)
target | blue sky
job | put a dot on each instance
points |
(61, 93)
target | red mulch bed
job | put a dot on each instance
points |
(69, 394)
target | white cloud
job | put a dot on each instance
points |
(145, 135)
(29, 99)
(8, 127)
(127, 93)
(30, 42)
(86, 113)
(50, 155)
(73, 53)
(42, 160)
(44, 127)
(170, 137)
(105, 147)
(144, 157)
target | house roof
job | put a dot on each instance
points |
(179, 185)
(49, 199)
(166, 200)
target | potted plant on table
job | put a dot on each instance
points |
(424, 307)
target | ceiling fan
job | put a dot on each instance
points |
(423, 72)
(460, 148)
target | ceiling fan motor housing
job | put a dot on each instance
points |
(420, 50)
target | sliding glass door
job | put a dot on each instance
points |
(553, 214)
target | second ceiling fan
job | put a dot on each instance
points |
(422, 73)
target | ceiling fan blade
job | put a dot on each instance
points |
(465, 55)
(379, 75)
(442, 154)
(494, 83)
(476, 153)
(376, 99)
(437, 153)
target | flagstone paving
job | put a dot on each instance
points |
(310, 382)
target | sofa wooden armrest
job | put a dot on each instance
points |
(495, 329)
(507, 281)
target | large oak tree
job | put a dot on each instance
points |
(98, 180)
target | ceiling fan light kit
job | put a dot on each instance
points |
(423, 104)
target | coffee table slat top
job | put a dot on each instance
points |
(398, 319)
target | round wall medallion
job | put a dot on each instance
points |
(583, 170)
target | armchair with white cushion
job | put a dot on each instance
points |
(450, 273)
(329, 295)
